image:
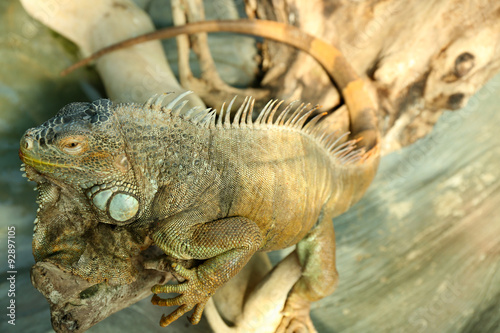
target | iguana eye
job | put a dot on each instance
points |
(74, 145)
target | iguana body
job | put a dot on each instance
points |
(210, 188)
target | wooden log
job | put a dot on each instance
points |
(421, 57)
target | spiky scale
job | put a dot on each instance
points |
(332, 145)
(178, 108)
(310, 126)
(265, 111)
(270, 119)
(250, 112)
(172, 104)
(149, 102)
(295, 114)
(239, 112)
(211, 119)
(282, 115)
(221, 116)
(301, 121)
(227, 120)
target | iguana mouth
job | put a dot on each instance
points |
(48, 189)
(34, 162)
(30, 171)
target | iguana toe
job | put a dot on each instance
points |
(296, 318)
(194, 294)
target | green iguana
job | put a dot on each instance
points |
(216, 188)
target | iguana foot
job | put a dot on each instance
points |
(296, 318)
(194, 294)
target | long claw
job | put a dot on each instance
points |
(155, 300)
(167, 320)
(192, 295)
(198, 311)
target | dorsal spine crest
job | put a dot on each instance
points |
(345, 152)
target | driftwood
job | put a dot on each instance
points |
(414, 71)
(77, 304)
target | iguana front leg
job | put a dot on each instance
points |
(227, 244)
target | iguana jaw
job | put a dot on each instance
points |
(33, 161)
(41, 165)
(29, 168)
(41, 176)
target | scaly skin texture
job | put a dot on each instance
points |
(201, 187)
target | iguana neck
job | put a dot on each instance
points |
(167, 153)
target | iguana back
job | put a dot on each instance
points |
(276, 171)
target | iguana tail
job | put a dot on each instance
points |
(361, 107)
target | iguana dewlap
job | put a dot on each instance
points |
(207, 187)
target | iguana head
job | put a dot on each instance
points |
(81, 148)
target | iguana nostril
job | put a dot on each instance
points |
(27, 143)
